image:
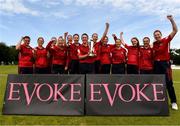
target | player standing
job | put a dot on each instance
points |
(132, 55)
(41, 57)
(146, 57)
(162, 65)
(26, 59)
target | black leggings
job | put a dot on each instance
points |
(164, 67)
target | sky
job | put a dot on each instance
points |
(48, 18)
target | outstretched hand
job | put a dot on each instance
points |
(113, 35)
(121, 33)
(107, 24)
(66, 33)
(170, 17)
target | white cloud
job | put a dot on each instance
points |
(11, 7)
(158, 7)
(15, 7)
(60, 14)
(153, 7)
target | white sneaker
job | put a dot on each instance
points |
(174, 106)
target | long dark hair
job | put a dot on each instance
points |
(137, 41)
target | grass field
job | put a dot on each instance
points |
(173, 119)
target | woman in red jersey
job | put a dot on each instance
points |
(105, 56)
(118, 55)
(132, 55)
(162, 65)
(146, 57)
(41, 57)
(97, 48)
(26, 59)
(59, 56)
(51, 43)
(86, 61)
(73, 55)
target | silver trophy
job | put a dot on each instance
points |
(91, 51)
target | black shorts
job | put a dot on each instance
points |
(146, 71)
(39, 70)
(74, 67)
(86, 68)
(132, 69)
(97, 65)
(58, 69)
(25, 70)
(118, 68)
(105, 68)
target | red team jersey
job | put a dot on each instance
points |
(133, 55)
(59, 56)
(146, 58)
(48, 48)
(26, 56)
(97, 48)
(73, 52)
(118, 55)
(161, 49)
(83, 50)
(41, 57)
(105, 54)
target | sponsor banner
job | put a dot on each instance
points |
(44, 95)
(126, 95)
(86, 95)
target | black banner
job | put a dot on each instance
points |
(44, 95)
(86, 95)
(126, 95)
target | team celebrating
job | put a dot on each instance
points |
(65, 55)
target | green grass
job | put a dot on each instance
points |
(173, 119)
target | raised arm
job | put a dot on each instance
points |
(174, 26)
(115, 37)
(48, 47)
(122, 40)
(65, 37)
(105, 32)
(18, 46)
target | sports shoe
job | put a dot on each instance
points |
(174, 106)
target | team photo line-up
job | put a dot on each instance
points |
(99, 57)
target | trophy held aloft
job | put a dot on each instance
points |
(91, 49)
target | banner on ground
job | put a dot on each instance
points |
(126, 95)
(86, 95)
(44, 95)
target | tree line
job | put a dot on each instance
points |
(8, 54)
